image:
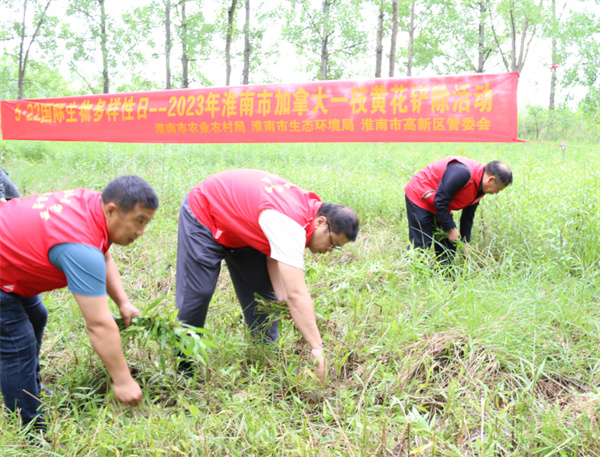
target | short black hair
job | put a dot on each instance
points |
(341, 219)
(127, 191)
(500, 171)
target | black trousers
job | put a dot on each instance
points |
(422, 225)
(199, 259)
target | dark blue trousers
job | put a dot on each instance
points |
(199, 259)
(421, 225)
(22, 323)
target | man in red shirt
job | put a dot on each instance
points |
(260, 224)
(60, 239)
(452, 183)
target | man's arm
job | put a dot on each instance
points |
(88, 271)
(290, 286)
(106, 341)
(116, 291)
(455, 177)
(466, 222)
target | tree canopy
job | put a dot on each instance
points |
(64, 47)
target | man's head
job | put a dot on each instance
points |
(496, 177)
(335, 225)
(129, 203)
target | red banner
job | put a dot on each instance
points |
(473, 108)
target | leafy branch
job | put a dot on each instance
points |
(161, 325)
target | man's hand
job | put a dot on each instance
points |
(465, 249)
(128, 392)
(2, 200)
(454, 234)
(106, 341)
(128, 311)
(319, 363)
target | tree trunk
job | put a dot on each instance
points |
(230, 16)
(168, 44)
(394, 36)
(411, 39)
(379, 45)
(246, 71)
(184, 52)
(24, 54)
(517, 64)
(481, 46)
(554, 59)
(324, 40)
(104, 48)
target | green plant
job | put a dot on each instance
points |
(162, 326)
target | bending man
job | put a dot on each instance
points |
(453, 183)
(260, 225)
(62, 239)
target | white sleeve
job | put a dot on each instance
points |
(286, 237)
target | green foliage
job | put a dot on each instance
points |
(494, 355)
(449, 37)
(582, 31)
(560, 125)
(9, 89)
(279, 310)
(337, 28)
(160, 324)
(40, 81)
(28, 31)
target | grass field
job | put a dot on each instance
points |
(495, 356)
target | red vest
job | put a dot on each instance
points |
(30, 226)
(421, 189)
(229, 204)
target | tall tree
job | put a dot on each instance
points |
(379, 45)
(258, 19)
(330, 36)
(325, 31)
(34, 27)
(394, 37)
(521, 19)
(466, 28)
(411, 40)
(196, 36)
(104, 46)
(168, 44)
(483, 50)
(247, 51)
(140, 26)
(100, 35)
(42, 80)
(573, 44)
(175, 33)
(183, 32)
(228, 39)
(581, 67)
(554, 62)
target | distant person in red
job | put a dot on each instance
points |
(60, 239)
(453, 183)
(260, 224)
